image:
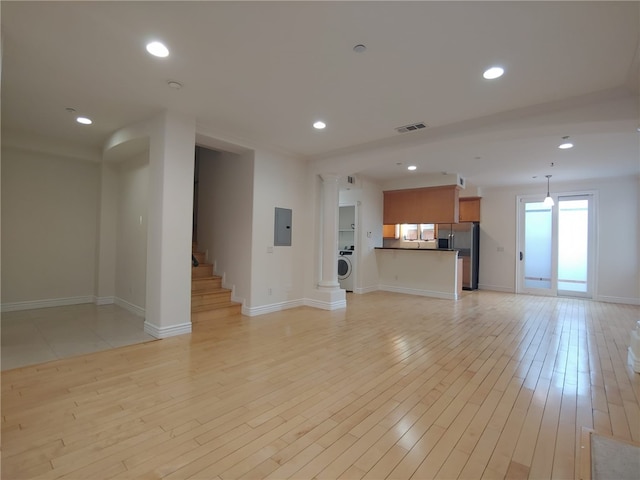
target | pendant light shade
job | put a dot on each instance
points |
(548, 201)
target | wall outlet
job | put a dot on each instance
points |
(269, 292)
(269, 249)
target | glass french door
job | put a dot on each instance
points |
(556, 245)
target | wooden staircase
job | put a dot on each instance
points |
(209, 301)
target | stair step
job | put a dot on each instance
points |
(216, 297)
(202, 270)
(214, 281)
(214, 314)
(200, 256)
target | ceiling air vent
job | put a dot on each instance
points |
(411, 128)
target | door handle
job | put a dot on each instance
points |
(521, 256)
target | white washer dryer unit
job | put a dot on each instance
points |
(345, 270)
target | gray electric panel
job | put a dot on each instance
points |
(282, 229)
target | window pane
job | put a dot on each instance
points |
(573, 239)
(409, 231)
(427, 231)
(537, 261)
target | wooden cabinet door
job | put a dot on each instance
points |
(389, 231)
(400, 206)
(421, 205)
(438, 204)
(470, 209)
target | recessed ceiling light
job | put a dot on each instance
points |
(319, 125)
(411, 167)
(566, 144)
(493, 73)
(175, 85)
(157, 49)
(360, 48)
(84, 120)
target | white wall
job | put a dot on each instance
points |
(617, 257)
(368, 199)
(225, 211)
(277, 276)
(49, 227)
(131, 240)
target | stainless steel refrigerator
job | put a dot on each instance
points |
(464, 237)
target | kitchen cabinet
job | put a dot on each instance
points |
(390, 231)
(421, 205)
(469, 209)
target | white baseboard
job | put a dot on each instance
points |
(51, 302)
(625, 300)
(495, 288)
(373, 288)
(104, 300)
(166, 332)
(274, 307)
(311, 302)
(415, 291)
(135, 309)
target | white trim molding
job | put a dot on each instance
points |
(166, 332)
(495, 288)
(414, 291)
(274, 307)
(135, 309)
(50, 302)
(337, 305)
(104, 300)
(373, 288)
(625, 300)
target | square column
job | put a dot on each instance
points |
(170, 216)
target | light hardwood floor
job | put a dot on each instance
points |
(395, 386)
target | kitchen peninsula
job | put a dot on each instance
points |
(420, 271)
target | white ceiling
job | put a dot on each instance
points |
(263, 72)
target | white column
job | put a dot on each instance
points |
(171, 163)
(330, 212)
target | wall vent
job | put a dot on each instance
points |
(411, 128)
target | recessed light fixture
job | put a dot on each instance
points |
(175, 85)
(411, 167)
(566, 144)
(493, 73)
(157, 49)
(319, 125)
(360, 48)
(84, 120)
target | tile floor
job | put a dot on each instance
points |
(36, 336)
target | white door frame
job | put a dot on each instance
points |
(593, 243)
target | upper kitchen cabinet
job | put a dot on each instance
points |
(470, 209)
(421, 205)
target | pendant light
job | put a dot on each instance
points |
(548, 201)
